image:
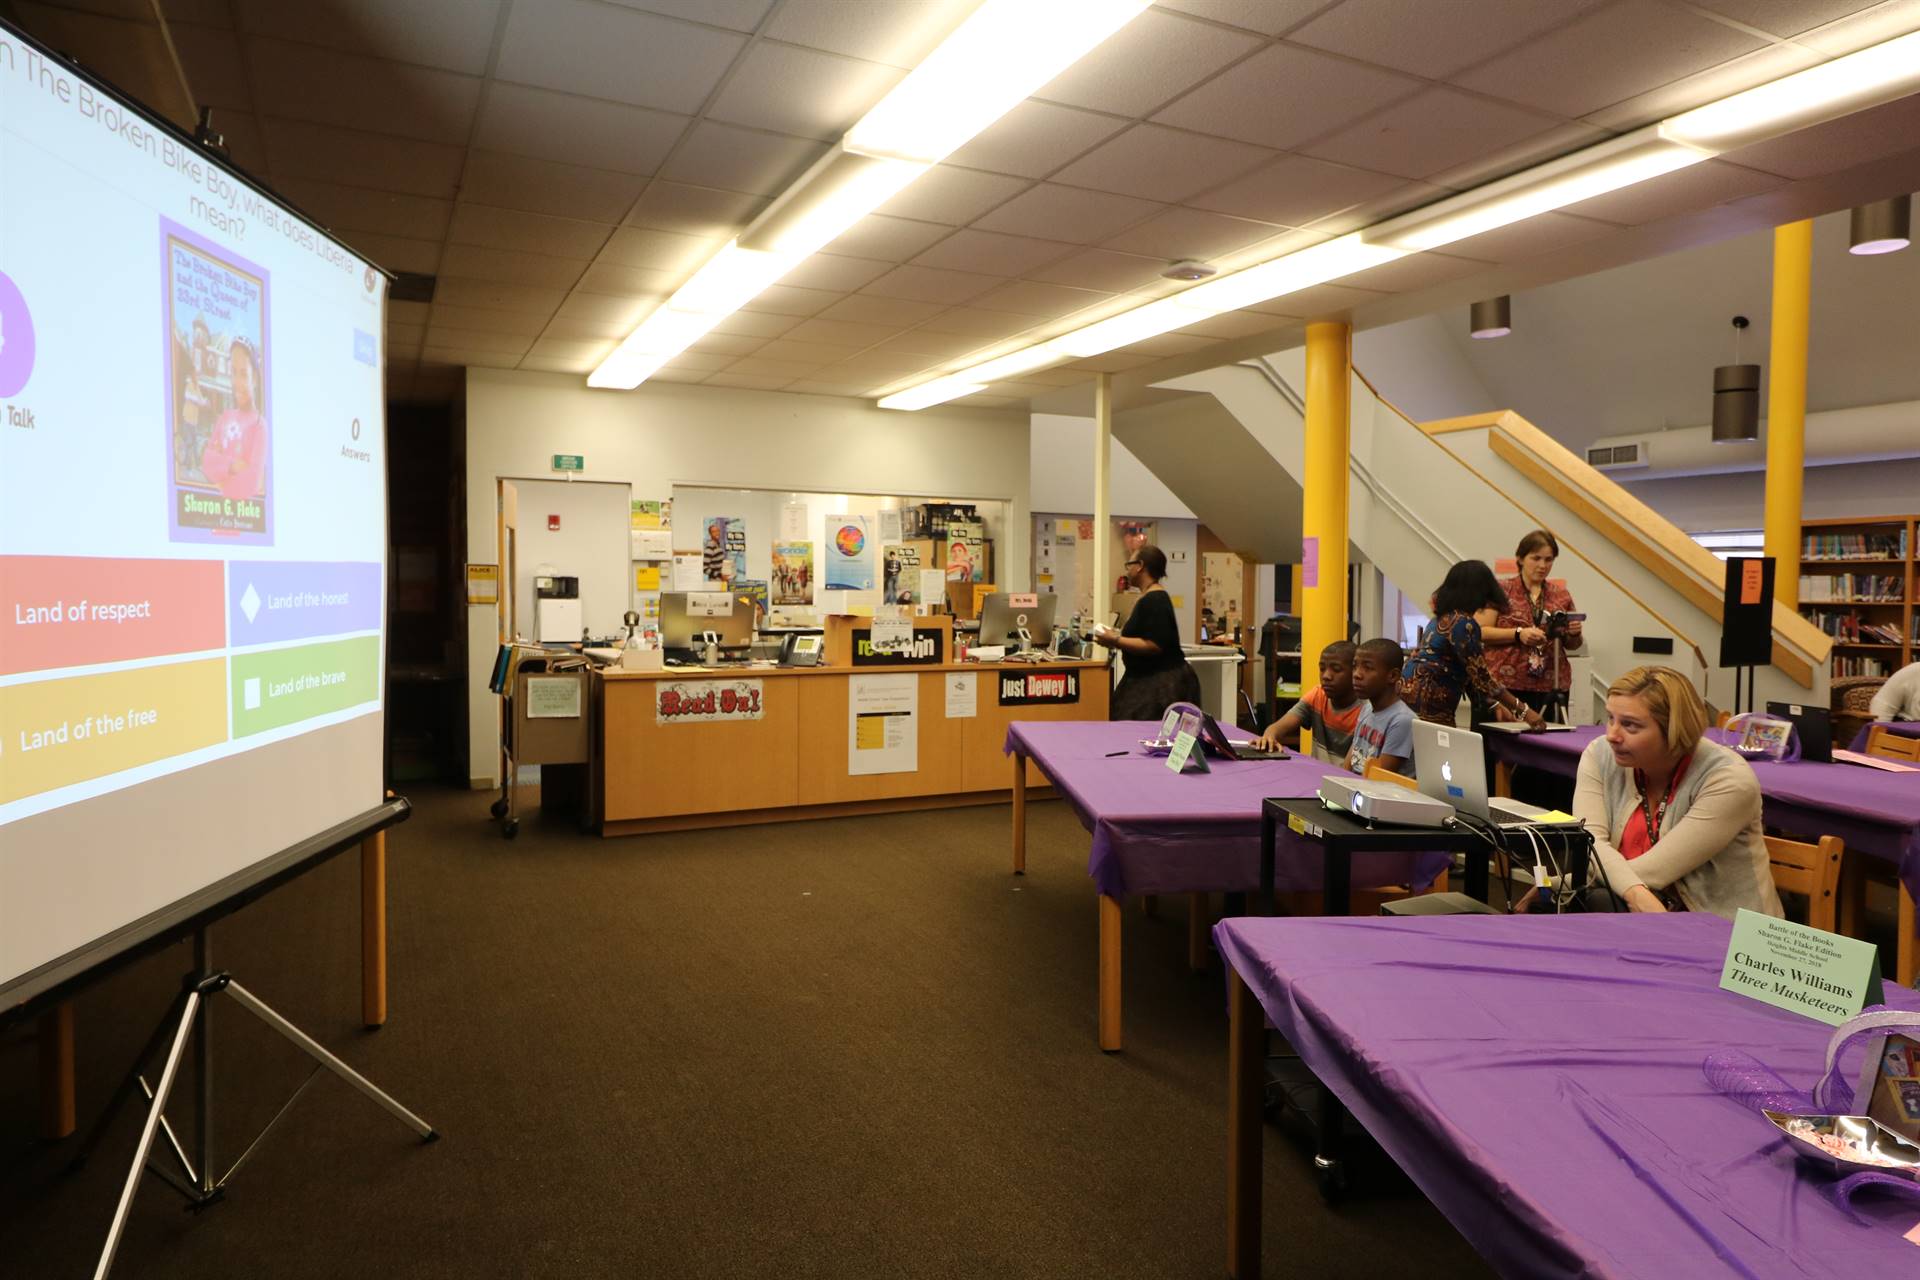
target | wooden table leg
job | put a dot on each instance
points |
(1503, 779)
(1853, 894)
(1246, 1081)
(1019, 814)
(56, 1072)
(1197, 922)
(1150, 905)
(1109, 974)
(373, 929)
(1905, 962)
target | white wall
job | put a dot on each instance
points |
(591, 546)
(1060, 452)
(1700, 504)
(665, 434)
(1420, 370)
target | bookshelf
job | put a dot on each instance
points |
(1858, 584)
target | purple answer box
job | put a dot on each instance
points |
(270, 601)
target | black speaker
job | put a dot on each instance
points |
(1746, 613)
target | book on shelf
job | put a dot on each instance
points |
(1852, 628)
(1888, 545)
(1854, 588)
(1858, 666)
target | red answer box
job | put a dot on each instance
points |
(73, 611)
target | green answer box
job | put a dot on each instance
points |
(285, 686)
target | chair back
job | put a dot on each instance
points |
(1812, 871)
(1892, 746)
(1377, 772)
(1720, 719)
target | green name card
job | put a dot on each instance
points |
(1183, 741)
(1793, 967)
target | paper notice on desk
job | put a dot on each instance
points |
(651, 544)
(688, 574)
(963, 695)
(553, 698)
(882, 724)
(892, 628)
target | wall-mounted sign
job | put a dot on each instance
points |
(927, 649)
(1038, 688)
(699, 701)
(483, 584)
(569, 462)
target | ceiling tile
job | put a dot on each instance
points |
(1034, 139)
(1417, 271)
(575, 130)
(702, 362)
(1294, 190)
(866, 308)
(527, 232)
(719, 155)
(815, 352)
(629, 282)
(879, 364)
(738, 15)
(590, 48)
(387, 213)
(1056, 377)
(1684, 94)
(1153, 59)
(1192, 233)
(787, 370)
(787, 300)
(1155, 162)
(1168, 344)
(989, 252)
(1268, 17)
(1102, 269)
(745, 382)
(934, 346)
(900, 35)
(1055, 212)
(832, 271)
(1785, 17)
(403, 336)
(1529, 238)
(953, 195)
(455, 35)
(1699, 186)
(1611, 54)
(887, 239)
(299, 150)
(581, 355)
(1031, 298)
(811, 387)
(568, 330)
(730, 345)
(1838, 144)
(676, 372)
(801, 91)
(397, 253)
(756, 324)
(658, 250)
(1111, 362)
(476, 340)
(1874, 24)
(1408, 195)
(582, 363)
(541, 186)
(841, 333)
(496, 296)
(510, 267)
(214, 65)
(1432, 40)
(408, 312)
(622, 313)
(1429, 132)
(695, 211)
(1321, 300)
(1282, 97)
(982, 326)
(300, 82)
(1234, 324)
(931, 284)
(982, 400)
(1560, 140)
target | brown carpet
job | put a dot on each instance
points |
(854, 1048)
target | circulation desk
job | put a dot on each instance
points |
(659, 768)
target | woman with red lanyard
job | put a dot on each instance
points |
(1532, 665)
(1675, 819)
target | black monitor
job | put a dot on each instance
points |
(685, 616)
(1814, 724)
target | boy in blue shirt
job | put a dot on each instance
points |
(1384, 731)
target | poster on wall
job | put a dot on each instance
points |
(849, 554)
(966, 546)
(882, 724)
(723, 548)
(900, 573)
(688, 575)
(793, 573)
(793, 522)
(648, 513)
(752, 591)
(1133, 534)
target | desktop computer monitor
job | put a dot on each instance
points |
(685, 615)
(1001, 623)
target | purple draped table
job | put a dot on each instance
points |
(1539, 1078)
(1898, 728)
(1155, 831)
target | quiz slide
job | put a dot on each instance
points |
(192, 461)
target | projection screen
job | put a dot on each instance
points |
(193, 531)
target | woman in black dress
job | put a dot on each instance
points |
(1157, 672)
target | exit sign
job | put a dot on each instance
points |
(569, 462)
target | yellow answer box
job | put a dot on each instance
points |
(57, 732)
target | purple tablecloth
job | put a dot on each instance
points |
(1903, 728)
(1539, 1078)
(1155, 831)
(1872, 810)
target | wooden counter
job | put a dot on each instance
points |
(652, 772)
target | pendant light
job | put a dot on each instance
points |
(1491, 317)
(1881, 227)
(1736, 396)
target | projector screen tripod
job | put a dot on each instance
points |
(187, 1019)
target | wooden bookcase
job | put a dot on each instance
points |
(1843, 561)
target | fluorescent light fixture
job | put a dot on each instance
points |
(1299, 270)
(1833, 89)
(839, 190)
(1015, 363)
(1594, 171)
(939, 391)
(1004, 52)
(1127, 328)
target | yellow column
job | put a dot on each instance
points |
(1323, 510)
(1787, 404)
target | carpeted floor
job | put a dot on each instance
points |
(855, 1048)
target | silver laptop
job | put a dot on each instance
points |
(1451, 765)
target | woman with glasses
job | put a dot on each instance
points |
(1157, 673)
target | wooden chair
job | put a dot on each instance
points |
(1720, 719)
(1892, 746)
(1812, 871)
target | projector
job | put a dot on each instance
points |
(1373, 801)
